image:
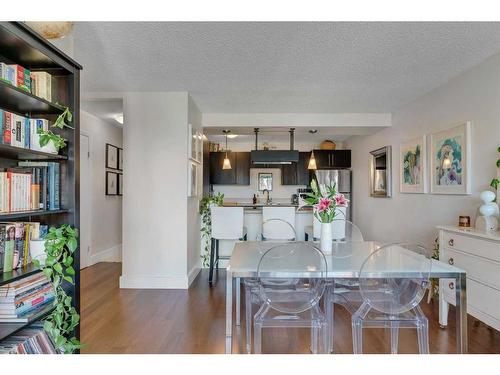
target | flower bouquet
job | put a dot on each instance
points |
(327, 203)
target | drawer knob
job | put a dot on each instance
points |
(451, 242)
(451, 261)
(451, 286)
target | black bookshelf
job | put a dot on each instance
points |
(7, 329)
(21, 45)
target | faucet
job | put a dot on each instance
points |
(268, 198)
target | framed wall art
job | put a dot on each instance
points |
(120, 184)
(194, 144)
(120, 159)
(111, 183)
(450, 160)
(192, 179)
(381, 172)
(111, 156)
(413, 166)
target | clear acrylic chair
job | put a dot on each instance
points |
(278, 224)
(291, 282)
(392, 281)
(252, 296)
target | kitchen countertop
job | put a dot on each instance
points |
(257, 208)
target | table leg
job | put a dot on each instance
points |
(229, 311)
(461, 312)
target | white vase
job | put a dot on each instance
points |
(326, 238)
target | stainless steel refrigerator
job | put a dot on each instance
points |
(342, 178)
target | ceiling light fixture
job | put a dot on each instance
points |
(119, 118)
(312, 162)
(226, 164)
(313, 131)
(232, 136)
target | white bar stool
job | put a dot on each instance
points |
(278, 223)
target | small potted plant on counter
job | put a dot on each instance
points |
(327, 205)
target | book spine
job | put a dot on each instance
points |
(57, 186)
(7, 133)
(2, 121)
(51, 186)
(27, 134)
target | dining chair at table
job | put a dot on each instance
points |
(292, 302)
(392, 281)
(278, 224)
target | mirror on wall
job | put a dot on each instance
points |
(265, 181)
(380, 172)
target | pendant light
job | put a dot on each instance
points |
(226, 164)
(312, 159)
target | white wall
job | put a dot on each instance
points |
(473, 96)
(106, 211)
(155, 204)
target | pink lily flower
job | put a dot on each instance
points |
(340, 200)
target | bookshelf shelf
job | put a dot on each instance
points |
(21, 45)
(18, 153)
(24, 214)
(20, 101)
(7, 329)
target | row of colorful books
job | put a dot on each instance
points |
(23, 300)
(37, 83)
(20, 131)
(15, 241)
(31, 340)
(33, 185)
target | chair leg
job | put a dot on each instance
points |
(330, 319)
(248, 318)
(325, 339)
(217, 254)
(423, 337)
(314, 339)
(238, 301)
(357, 336)
(306, 237)
(211, 269)
(394, 337)
(257, 338)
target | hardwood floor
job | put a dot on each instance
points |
(193, 321)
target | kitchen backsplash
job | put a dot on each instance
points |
(247, 191)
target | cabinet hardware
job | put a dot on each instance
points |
(451, 261)
(451, 242)
(451, 286)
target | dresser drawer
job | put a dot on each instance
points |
(477, 268)
(483, 248)
(479, 297)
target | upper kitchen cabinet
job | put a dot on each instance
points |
(296, 173)
(239, 174)
(332, 159)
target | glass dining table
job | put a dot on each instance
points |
(344, 263)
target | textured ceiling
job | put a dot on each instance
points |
(282, 67)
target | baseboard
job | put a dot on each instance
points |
(153, 282)
(113, 254)
(193, 273)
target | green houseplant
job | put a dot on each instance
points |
(61, 122)
(495, 182)
(206, 223)
(60, 245)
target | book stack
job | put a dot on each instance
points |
(41, 85)
(15, 243)
(29, 187)
(31, 340)
(22, 301)
(20, 131)
(16, 75)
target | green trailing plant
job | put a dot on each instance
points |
(60, 246)
(61, 122)
(206, 223)
(435, 282)
(495, 182)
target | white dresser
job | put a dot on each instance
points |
(478, 253)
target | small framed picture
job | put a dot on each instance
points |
(111, 183)
(199, 147)
(413, 166)
(111, 156)
(120, 184)
(120, 159)
(192, 179)
(194, 144)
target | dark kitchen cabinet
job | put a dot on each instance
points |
(296, 173)
(239, 174)
(332, 159)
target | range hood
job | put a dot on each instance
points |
(274, 156)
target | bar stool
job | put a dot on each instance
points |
(278, 223)
(227, 224)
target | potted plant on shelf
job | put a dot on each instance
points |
(206, 223)
(51, 142)
(60, 245)
(495, 183)
(327, 205)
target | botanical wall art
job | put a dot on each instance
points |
(111, 156)
(111, 183)
(451, 160)
(412, 166)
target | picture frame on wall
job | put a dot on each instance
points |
(413, 166)
(199, 147)
(381, 172)
(120, 159)
(450, 160)
(111, 156)
(111, 183)
(192, 179)
(194, 144)
(120, 184)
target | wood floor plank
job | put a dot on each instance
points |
(118, 320)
